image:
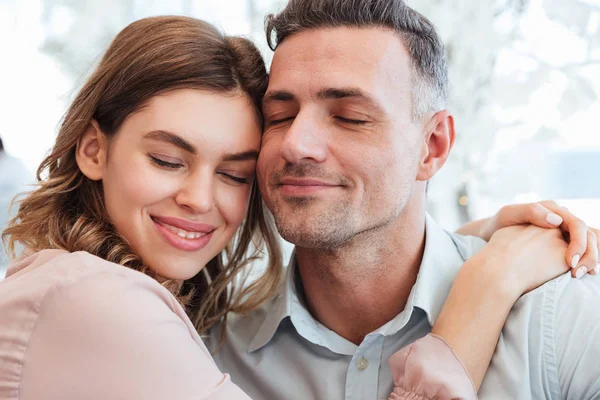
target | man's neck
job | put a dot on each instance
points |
(358, 288)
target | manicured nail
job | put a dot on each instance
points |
(581, 272)
(575, 260)
(554, 219)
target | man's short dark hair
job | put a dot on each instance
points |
(428, 61)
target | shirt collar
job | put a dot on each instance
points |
(443, 255)
(288, 303)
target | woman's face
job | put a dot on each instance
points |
(177, 177)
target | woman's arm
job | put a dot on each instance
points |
(430, 369)
(517, 260)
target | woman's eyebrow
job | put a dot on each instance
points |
(172, 138)
(243, 156)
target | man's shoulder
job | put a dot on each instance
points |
(559, 303)
(574, 299)
(549, 333)
(242, 329)
(249, 322)
(547, 319)
(565, 292)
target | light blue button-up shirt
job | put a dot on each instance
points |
(549, 349)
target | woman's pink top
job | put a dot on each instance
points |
(73, 327)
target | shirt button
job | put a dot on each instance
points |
(362, 364)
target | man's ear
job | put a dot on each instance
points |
(439, 139)
(91, 152)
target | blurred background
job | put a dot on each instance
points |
(525, 80)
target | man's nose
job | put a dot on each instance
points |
(305, 140)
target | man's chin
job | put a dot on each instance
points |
(310, 235)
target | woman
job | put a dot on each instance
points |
(153, 170)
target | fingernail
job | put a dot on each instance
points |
(575, 260)
(597, 269)
(554, 219)
(581, 272)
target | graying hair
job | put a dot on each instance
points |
(429, 76)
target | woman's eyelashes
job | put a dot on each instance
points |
(236, 179)
(161, 162)
(171, 164)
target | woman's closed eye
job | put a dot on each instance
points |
(166, 162)
(238, 179)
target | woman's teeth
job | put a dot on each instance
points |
(182, 233)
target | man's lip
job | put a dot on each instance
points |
(184, 224)
(304, 182)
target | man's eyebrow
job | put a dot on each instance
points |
(172, 138)
(243, 156)
(278, 95)
(349, 92)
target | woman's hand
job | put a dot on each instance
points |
(582, 252)
(519, 258)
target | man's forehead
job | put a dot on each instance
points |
(364, 44)
(365, 58)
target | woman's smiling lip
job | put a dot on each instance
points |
(183, 234)
(184, 224)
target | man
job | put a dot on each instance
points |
(355, 125)
(13, 180)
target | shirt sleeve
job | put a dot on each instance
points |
(111, 336)
(573, 330)
(429, 369)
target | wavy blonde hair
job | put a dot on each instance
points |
(67, 211)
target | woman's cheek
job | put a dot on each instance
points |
(233, 203)
(139, 182)
(155, 185)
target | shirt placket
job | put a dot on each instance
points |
(362, 378)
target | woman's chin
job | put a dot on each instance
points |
(174, 268)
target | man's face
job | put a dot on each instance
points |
(340, 152)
